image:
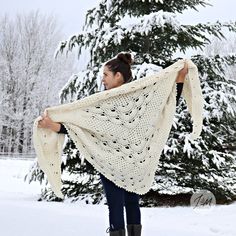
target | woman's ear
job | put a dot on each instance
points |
(119, 76)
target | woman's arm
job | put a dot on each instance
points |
(179, 91)
(182, 73)
(46, 122)
(54, 126)
(180, 81)
(62, 129)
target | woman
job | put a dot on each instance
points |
(116, 72)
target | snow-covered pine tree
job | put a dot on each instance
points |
(209, 162)
(149, 29)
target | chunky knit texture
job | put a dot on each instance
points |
(121, 131)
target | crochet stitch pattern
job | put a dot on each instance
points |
(121, 131)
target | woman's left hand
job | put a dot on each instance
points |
(45, 122)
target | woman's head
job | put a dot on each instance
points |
(117, 71)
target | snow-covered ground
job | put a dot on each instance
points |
(22, 215)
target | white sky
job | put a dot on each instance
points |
(71, 13)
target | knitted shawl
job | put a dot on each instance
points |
(121, 131)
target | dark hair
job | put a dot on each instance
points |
(121, 63)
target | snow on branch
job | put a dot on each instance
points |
(100, 38)
(145, 23)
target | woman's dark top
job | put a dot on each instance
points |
(179, 91)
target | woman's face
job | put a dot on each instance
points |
(111, 80)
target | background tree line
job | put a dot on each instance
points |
(30, 78)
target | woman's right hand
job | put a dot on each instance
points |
(182, 73)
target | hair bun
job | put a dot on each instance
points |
(125, 57)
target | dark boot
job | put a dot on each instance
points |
(120, 232)
(134, 229)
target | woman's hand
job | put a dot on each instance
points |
(182, 73)
(47, 123)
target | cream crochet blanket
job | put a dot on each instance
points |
(121, 131)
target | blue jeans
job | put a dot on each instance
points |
(117, 198)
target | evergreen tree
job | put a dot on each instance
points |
(150, 31)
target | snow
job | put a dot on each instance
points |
(101, 38)
(145, 23)
(22, 215)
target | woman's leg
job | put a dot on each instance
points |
(115, 201)
(133, 213)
